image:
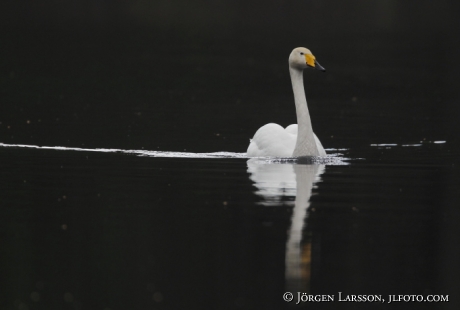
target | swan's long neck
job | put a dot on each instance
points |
(305, 145)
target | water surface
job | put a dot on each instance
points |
(95, 230)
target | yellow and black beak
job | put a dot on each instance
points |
(311, 62)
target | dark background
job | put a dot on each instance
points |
(204, 75)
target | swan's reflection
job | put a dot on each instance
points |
(277, 183)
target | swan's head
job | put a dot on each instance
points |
(302, 58)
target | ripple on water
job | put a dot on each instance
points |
(330, 159)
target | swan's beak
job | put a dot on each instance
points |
(311, 62)
(319, 67)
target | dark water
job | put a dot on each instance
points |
(93, 231)
(111, 230)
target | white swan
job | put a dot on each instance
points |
(295, 140)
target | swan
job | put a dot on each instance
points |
(272, 140)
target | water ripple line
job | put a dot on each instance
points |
(330, 159)
(135, 152)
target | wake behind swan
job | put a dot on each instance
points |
(330, 159)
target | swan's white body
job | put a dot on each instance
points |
(295, 140)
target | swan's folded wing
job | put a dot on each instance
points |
(320, 147)
(292, 129)
(272, 140)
